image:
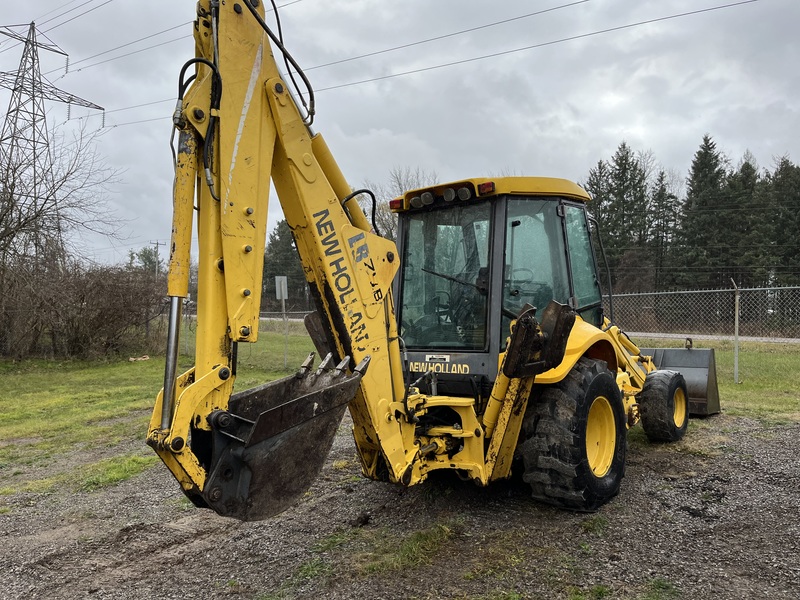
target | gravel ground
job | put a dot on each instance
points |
(716, 515)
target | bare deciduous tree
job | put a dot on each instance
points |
(44, 292)
(400, 180)
(44, 209)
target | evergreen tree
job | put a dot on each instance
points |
(662, 224)
(619, 188)
(281, 258)
(629, 197)
(146, 259)
(783, 188)
(747, 250)
(701, 231)
(598, 184)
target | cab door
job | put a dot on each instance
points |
(585, 294)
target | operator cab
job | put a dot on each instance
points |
(474, 253)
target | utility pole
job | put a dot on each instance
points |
(157, 244)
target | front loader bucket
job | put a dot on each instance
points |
(699, 369)
(271, 443)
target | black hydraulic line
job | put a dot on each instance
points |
(285, 60)
(374, 205)
(310, 107)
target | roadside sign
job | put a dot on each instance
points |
(281, 288)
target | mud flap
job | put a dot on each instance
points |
(272, 442)
(699, 369)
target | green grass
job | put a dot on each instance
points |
(87, 478)
(416, 549)
(660, 589)
(50, 409)
(768, 388)
(337, 539)
(316, 567)
(47, 409)
(595, 525)
(114, 470)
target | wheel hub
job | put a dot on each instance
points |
(601, 438)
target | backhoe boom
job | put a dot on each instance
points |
(238, 127)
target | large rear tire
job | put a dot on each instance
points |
(573, 439)
(664, 406)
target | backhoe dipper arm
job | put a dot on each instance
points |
(252, 454)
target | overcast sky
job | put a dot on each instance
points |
(560, 93)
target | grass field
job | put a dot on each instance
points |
(768, 386)
(52, 409)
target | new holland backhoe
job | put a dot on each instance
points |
(478, 344)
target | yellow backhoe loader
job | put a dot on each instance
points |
(477, 344)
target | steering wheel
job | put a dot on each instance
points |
(526, 274)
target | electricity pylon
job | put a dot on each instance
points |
(26, 160)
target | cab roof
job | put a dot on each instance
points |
(483, 187)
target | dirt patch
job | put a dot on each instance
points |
(714, 516)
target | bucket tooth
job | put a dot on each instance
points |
(361, 368)
(326, 363)
(305, 367)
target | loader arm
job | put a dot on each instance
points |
(239, 127)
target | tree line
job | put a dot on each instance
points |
(720, 224)
(661, 231)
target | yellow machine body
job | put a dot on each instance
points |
(252, 453)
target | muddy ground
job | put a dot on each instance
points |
(714, 516)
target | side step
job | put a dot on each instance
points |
(699, 369)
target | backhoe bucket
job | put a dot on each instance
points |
(699, 369)
(271, 443)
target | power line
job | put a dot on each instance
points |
(65, 22)
(443, 65)
(124, 46)
(65, 12)
(78, 16)
(344, 60)
(50, 12)
(534, 46)
(138, 122)
(126, 55)
(107, 112)
(142, 39)
(446, 35)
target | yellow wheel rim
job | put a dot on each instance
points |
(679, 408)
(601, 436)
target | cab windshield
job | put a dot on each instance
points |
(445, 278)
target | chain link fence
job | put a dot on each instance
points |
(761, 313)
(764, 314)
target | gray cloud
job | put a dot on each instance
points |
(553, 110)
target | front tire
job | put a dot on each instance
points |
(664, 405)
(573, 439)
